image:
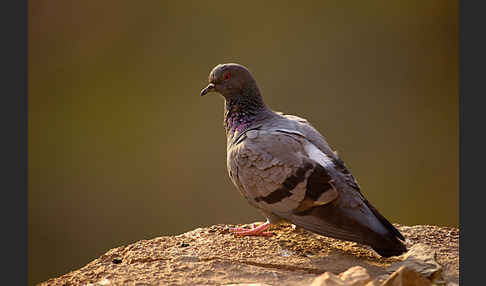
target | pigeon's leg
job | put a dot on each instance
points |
(255, 230)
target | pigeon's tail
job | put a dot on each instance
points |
(392, 246)
(368, 227)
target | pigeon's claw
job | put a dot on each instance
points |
(254, 231)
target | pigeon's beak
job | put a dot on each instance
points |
(207, 89)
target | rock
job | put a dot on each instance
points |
(355, 276)
(247, 284)
(405, 276)
(373, 283)
(420, 258)
(378, 280)
(214, 256)
(444, 241)
(329, 279)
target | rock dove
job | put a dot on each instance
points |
(285, 168)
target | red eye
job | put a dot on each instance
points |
(227, 76)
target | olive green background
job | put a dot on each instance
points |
(123, 148)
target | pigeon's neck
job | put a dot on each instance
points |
(243, 110)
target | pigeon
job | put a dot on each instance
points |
(285, 168)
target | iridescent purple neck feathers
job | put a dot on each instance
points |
(242, 111)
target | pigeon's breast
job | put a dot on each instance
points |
(268, 169)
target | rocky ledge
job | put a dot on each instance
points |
(214, 256)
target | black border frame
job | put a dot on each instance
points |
(471, 143)
(13, 118)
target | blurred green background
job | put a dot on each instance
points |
(123, 148)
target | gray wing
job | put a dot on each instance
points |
(298, 126)
(272, 170)
(287, 176)
(283, 173)
(305, 129)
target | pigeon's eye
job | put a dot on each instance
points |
(227, 76)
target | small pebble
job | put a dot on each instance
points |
(117, 260)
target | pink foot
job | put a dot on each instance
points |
(256, 231)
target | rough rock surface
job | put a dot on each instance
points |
(214, 256)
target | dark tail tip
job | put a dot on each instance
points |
(398, 248)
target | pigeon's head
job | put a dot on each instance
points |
(229, 80)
